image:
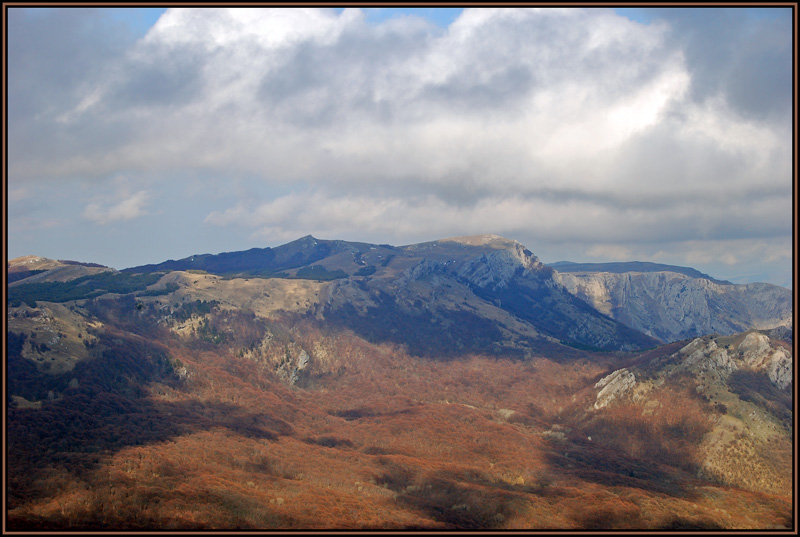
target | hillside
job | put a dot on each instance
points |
(210, 417)
(33, 269)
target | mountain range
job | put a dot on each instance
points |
(495, 288)
(666, 302)
(454, 384)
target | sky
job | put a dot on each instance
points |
(587, 134)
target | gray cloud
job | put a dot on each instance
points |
(54, 55)
(748, 61)
(169, 80)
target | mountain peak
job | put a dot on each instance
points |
(308, 239)
(29, 262)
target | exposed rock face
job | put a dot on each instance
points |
(780, 369)
(760, 355)
(672, 306)
(295, 361)
(754, 347)
(711, 361)
(614, 386)
(708, 357)
(498, 267)
(756, 352)
(476, 287)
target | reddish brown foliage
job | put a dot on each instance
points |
(374, 439)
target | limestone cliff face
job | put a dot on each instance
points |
(613, 386)
(499, 266)
(760, 354)
(671, 306)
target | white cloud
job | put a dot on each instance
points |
(508, 98)
(130, 207)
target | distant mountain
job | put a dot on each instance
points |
(260, 261)
(33, 269)
(480, 292)
(674, 303)
(483, 292)
(631, 266)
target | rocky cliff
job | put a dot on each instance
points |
(671, 306)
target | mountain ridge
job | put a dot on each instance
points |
(495, 277)
(617, 267)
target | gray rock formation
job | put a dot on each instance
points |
(614, 386)
(708, 357)
(671, 306)
(295, 361)
(499, 266)
(755, 352)
(758, 352)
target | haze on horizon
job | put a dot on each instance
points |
(587, 134)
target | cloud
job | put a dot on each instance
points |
(330, 215)
(742, 55)
(18, 194)
(508, 98)
(610, 251)
(127, 209)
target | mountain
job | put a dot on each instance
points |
(674, 303)
(34, 269)
(631, 266)
(257, 261)
(481, 292)
(331, 385)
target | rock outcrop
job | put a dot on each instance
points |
(614, 386)
(754, 352)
